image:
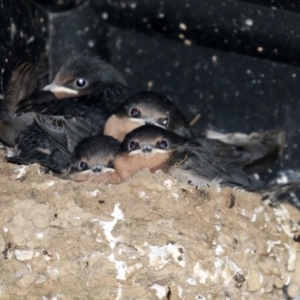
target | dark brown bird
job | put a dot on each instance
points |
(255, 152)
(60, 124)
(190, 162)
(92, 160)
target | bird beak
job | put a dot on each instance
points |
(60, 91)
(146, 149)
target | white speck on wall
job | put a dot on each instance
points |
(214, 59)
(161, 15)
(219, 250)
(30, 40)
(260, 49)
(150, 84)
(182, 26)
(161, 290)
(91, 43)
(294, 75)
(261, 278)
(249, 22)
(133, 5)
(5, 229)
(187, 42)
(94, 193)
(104, 15)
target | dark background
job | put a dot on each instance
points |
(234, 62)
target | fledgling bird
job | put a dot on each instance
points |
(60, 124)
(85, 79)
(92, 160)
(190, 162)
(255, 152)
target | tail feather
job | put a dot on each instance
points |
(23, 82)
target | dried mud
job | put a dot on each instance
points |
(148, 238)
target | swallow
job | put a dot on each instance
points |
(188, 161)
(86, 80)
(255, 152)
(60, 124)
(146, 107)
(92, 160)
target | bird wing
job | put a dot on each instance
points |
(199, 166)
(65, 131)
(23, 82)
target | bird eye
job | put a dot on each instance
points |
(80, 82)
(133, 145)
(82, 166)
(163, 144)
(164, 122)
(135, 113)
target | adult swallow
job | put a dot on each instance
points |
(190, 162)
(254, 152)
(92, 160)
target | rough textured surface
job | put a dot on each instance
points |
(148, 238)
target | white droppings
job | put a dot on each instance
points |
(119, 293)
(22, 170)
(261, 278)
(108, 226)
(94, 193)
(200, 272)
(5, 229)
(175, 195)
(39, 235)
(249, 22)
(161, 290)
(133, 5)
(181, 36)
(258, 209)
(168, 183)
(142, 194)
(219, 250)
(161, 15)
(158, 257)
(25, 254)
(180, 291)
(253, 218)
(294, 75)
(182, 26)
(218, 227)
(191, 281)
